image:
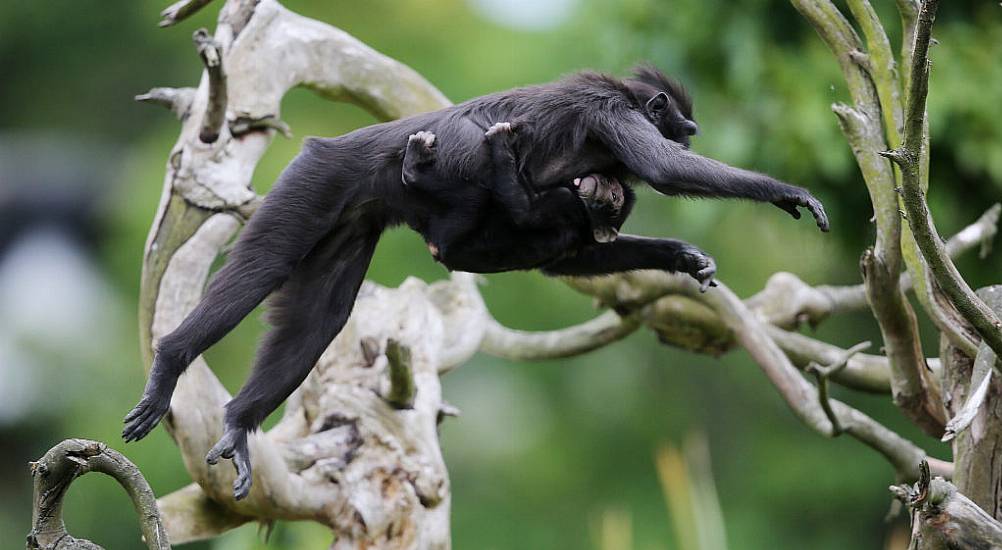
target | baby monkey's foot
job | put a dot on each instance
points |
(419, 154)
(500, 130)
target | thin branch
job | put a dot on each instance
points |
(823, 373)
(52, 475)
(882, 68)
(215, 110)
(802, 302)
(179, 11)
(909, 10)
(987, 324)
(519, 345)
(865, 372)
(178, 100)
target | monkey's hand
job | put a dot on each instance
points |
(698, 264)
(233, 445)
(801, 198)
(151, 408)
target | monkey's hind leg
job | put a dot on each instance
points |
(307, 313)
(265, 255)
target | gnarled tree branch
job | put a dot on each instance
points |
(52, 475)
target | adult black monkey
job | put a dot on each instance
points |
(314, 234)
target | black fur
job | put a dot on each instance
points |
(312, 238)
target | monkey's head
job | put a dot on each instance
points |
(665, 102)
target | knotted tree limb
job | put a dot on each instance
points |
(987, 324)
(215, 112)
(944, 519)
(52, 475)
(386, 486)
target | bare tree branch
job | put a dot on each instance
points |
(519, 345)
(52, 475)
(933, 250)
(911, 386)
(823, 373)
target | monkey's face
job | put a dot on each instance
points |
(675, 126)
(663, 111)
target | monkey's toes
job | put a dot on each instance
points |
(422, 140)
(499, 128)
(699, 266)
(233, 445)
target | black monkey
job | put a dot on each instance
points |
(313, 236)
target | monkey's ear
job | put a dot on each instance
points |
(657, 105)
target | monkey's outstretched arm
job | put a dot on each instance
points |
(674, 170)
(629, 252)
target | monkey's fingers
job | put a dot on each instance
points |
(144, 417)
(818, 211)
(705, 278)
(789, 207)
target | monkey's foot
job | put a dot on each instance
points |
(801, 198)
(698, 265)
(420, 152)
(500, 129)
(233, 445)
(147, 414)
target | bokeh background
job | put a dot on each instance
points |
(547, 453)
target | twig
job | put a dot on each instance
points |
(215, 108)
(178, 100)
(823, 373)
(179, 11)
(52, 475)
(987, 324)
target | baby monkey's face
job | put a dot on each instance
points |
(599, 188)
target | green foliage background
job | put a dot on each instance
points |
(543, 448)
